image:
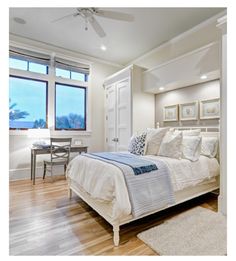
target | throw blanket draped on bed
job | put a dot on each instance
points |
(138, 164)
(147, 192)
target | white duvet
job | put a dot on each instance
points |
(105, 181)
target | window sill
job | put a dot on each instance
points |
(41, 133)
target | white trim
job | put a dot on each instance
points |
(42, 47)
(28, 74)
(130, 67)
(182, 56)
(24, 173)
(222, 21)
(179, 37)
(52, 133)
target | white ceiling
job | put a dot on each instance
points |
(125, 41)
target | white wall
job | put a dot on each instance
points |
(19, 145)
(203, 91)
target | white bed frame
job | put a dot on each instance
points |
(180, 196)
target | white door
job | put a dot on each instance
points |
(110, 118)
(123, 115)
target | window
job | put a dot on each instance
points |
(70, 107)
(27, 103)
(28, 66)
(71, 70)
(32, 75)
(71, 75)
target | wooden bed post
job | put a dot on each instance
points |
(116, 235)
(69, 189)
(69, 193)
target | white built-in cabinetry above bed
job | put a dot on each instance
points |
(184, 70)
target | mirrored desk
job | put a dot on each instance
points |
(39, 151)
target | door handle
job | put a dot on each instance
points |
(115, 139)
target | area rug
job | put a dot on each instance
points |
(196, 232)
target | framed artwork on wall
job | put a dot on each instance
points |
(188, 111)
(210, 109)
(170, 113)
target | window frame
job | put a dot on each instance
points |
(28, 66)
(51, 79)
(85, 105)
(37, 80)
(70, 78)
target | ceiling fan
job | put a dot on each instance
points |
(89, 13)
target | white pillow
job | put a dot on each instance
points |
(132, 142)
(153, 140)
(171, 145)
(209, 146)
(191, 147)
(195, 132)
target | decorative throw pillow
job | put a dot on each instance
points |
(138, 144)
(171, 145)
(153, 140)
(131, 143)
(191, 147)
(209, 146)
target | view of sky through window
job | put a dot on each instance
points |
(27, 103)
(28, 98)
(70, 107)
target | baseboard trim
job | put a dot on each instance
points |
(24, 173)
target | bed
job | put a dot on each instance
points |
(102, 186)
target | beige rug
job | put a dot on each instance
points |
(196, 232)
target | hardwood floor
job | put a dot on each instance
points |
(43, 221)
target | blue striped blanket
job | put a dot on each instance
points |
(138, 165)
(147, 192)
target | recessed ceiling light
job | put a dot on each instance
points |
(203, 77)
(103, 47)
(19, 20)
(161, 88)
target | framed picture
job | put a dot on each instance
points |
(170, 113)
(188, 111)
(210, 109)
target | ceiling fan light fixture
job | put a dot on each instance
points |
(89, 14)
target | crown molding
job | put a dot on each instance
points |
(24, 42)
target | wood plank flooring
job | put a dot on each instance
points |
(43, 221)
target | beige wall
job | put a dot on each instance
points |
(203, 91)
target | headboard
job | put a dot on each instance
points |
(206, 131)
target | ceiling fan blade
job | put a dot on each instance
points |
(96, 26)
(115, 15)
(63, 17)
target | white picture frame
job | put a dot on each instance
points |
(210, 109)
(188, 111)
(170, 113)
